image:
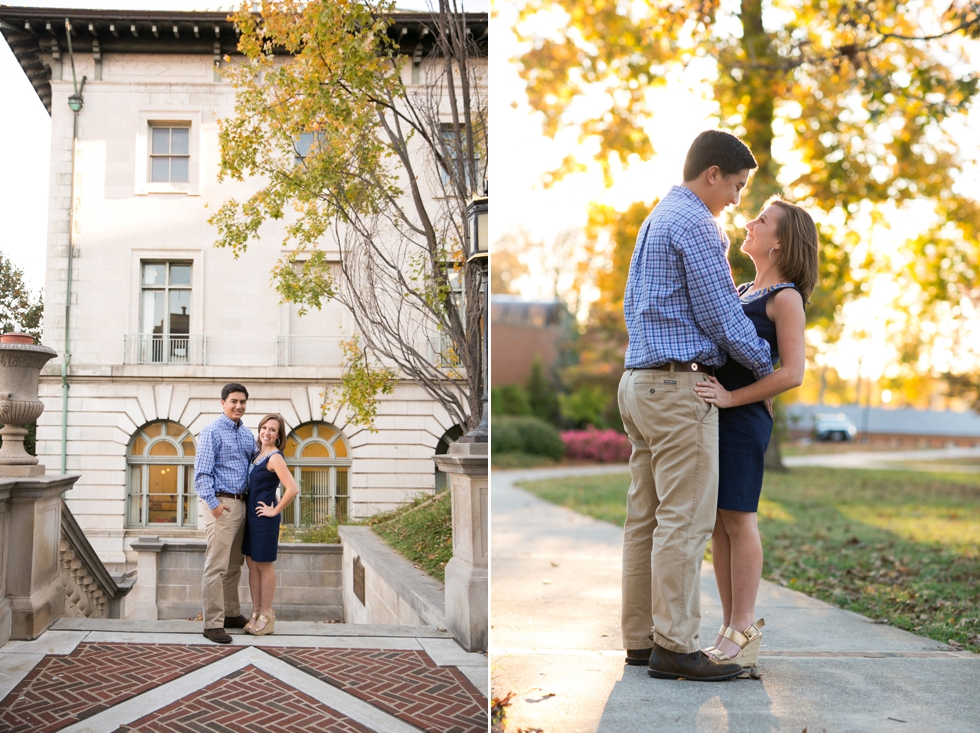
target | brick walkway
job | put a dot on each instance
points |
(248, 699)
(75, 680)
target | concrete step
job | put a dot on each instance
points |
(283, 628)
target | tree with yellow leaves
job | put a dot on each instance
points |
(370, 150)
(858, 96)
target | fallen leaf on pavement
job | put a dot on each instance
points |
(536, 694)
(498, 711)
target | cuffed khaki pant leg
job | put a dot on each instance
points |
(223, 563)
(670, 508)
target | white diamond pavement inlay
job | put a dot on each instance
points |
(141, 705)
(14, 668)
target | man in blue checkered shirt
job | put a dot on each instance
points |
(224, 449)
(684, 318)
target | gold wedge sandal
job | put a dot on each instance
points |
(248, 626)
(270, 625)
(749, 641)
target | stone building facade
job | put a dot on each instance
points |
(158, 319)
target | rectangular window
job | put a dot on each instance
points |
(169, 154)
(162, 494)
(454, 150)
(302, 147)
(165, 321)
(323, 496)
(304, 144)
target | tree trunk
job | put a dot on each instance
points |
(773, 460)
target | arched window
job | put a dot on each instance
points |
(161, 476)
(448, 438)
(319, 457)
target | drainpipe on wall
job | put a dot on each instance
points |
(75, 103)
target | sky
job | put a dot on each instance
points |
(25, 129)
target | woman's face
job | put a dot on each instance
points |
(269, 432)
(761, 236)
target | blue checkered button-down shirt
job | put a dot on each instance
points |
(680, 302)
(223, 451)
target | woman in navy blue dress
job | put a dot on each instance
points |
(782, 243)
(261, 543)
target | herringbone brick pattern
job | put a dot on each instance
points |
(62, 690)
(407, 684)
(246, 701)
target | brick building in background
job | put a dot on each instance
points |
(522, 330)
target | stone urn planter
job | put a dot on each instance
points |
(20, 365)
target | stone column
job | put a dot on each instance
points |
(35, 590)
(4, 533)
(147, 566)
(30, 557)
(467, 574)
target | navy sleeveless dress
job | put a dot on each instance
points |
(261, 542)
(744, 431)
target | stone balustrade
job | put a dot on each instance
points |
(47, 567)
(90, 590)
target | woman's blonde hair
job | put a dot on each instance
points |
(281, 438)
(800, 244)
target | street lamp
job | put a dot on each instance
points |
(477, 214)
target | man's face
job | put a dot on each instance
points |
(234, 405)
(726, 190)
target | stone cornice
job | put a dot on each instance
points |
(31, 32)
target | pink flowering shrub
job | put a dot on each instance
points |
(604, 446)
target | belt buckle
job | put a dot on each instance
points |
(694, 366)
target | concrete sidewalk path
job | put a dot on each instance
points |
(555, 644)
(911, 460)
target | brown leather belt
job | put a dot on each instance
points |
(685, 366)
(240, 497)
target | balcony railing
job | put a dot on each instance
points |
(139, 348)
(308, 351)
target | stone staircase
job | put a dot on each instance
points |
(90, 590)
(47, 567)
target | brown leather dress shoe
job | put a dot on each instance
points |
(668, 665)
(235, 622)
(220, 636)
(638, 656)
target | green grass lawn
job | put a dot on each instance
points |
(421, 531)
(502, 461)
(900, 546)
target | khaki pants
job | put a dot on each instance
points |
(223, 562)
(670, 509)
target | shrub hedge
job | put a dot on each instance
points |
(526, 435)
(604, 446)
